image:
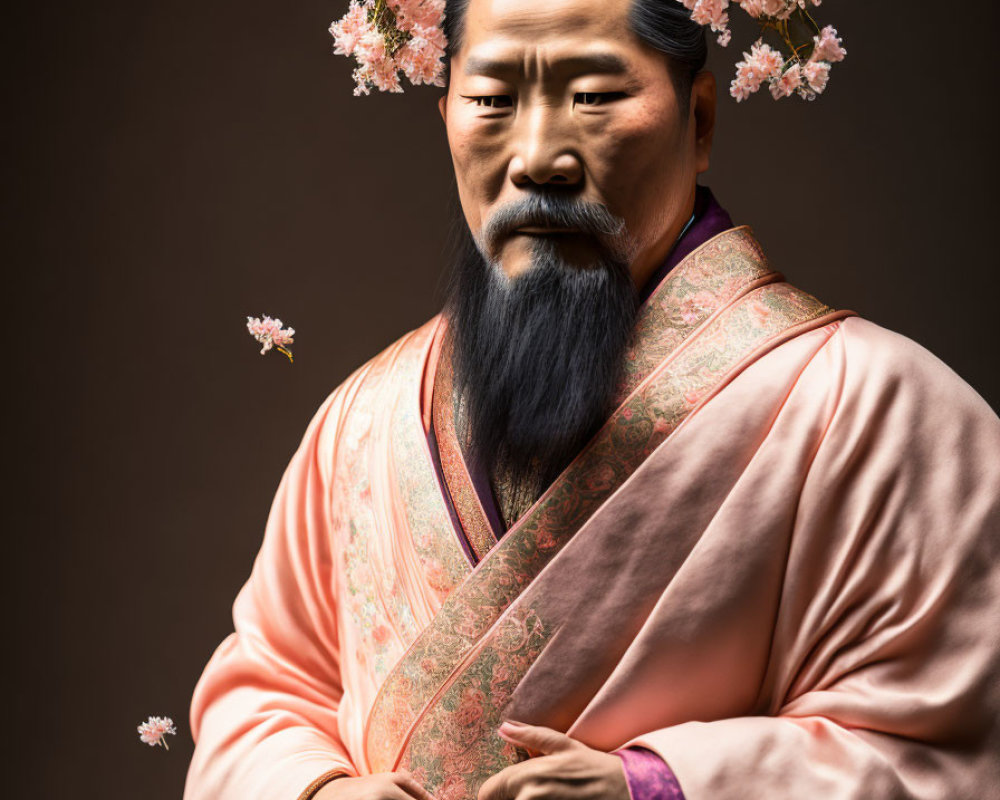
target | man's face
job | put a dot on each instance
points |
(563, 96)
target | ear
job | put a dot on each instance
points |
(703, 114)
(443, 107)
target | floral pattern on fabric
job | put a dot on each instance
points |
(443, 561)
(455, 765)
(475, 525)
(704, 282)
(376, 597)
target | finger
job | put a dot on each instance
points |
(396, 792)
(507, 783)
(536, 737)
(405, 781)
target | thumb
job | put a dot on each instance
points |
(536, 738)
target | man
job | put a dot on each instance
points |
(633, 516)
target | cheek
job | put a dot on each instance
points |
(477, 151)
(643, 165)
(644, 143)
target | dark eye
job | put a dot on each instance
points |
(596, 98)
(492, 100)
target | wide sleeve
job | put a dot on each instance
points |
(264, 713)
(885, 659)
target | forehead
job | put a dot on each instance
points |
(494, 28)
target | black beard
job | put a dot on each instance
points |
(537, 358)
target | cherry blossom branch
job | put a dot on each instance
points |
(388, 38)
(785, 72)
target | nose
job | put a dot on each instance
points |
(543, 150)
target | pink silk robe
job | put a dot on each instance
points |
(777, 566)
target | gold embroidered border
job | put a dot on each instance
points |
(708, 279)
(470, 511)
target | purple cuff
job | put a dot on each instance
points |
(648, 776)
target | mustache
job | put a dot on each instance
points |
(553, 211)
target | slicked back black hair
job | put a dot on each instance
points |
(665, 25)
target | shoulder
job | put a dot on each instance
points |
(899, 418)
(906, 447)
(881, 365)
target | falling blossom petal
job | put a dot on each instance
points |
(153, 731)
(271, 333)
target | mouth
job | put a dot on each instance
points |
(541, 230)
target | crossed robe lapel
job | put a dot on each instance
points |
(706, 320)
(674, 309)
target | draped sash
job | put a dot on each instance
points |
(437, 710)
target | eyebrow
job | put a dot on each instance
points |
(607, 63)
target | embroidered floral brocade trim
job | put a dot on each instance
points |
(708, 278)
(476, 527)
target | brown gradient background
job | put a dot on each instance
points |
(182, 165)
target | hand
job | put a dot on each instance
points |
(565, 769)
(380, 786)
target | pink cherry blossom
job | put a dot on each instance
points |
(271, 333)
(817, 73)
(384, 74)
(348, 31)
(753, 7)
(411, 14)
(787, 83)
(761, 64)
(783, 70)
(420, 57)
(779, 9)
(828, 46)
(392, 38)
(370, 50)
(153, 731)
(740, 89)
(712, 13)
